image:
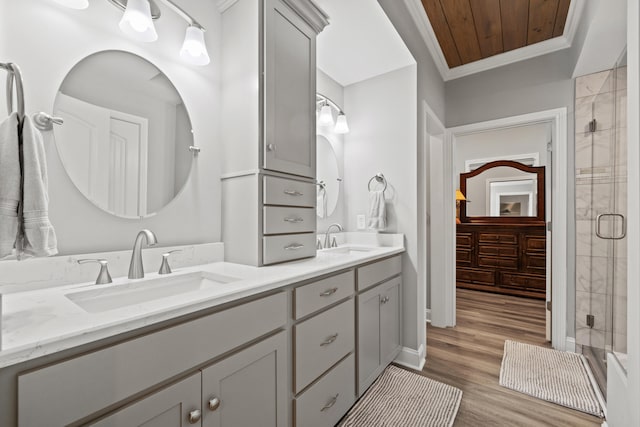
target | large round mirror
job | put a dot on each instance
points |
(328, 177)
(126, 133)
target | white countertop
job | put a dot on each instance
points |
(41, 322)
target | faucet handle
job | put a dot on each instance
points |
(334, 243)
(103, 277)
(318, 244)
(164, 267)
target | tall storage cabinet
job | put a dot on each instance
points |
(268, 129)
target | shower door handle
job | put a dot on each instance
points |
(623, 231)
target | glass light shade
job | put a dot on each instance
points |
(74, 4)
(341, 124)
(326, 116)
(194, 50)
(137, 23)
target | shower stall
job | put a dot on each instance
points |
(601, 215)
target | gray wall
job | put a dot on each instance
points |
(537, 84)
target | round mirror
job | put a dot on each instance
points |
(126, 134)
(328, 177)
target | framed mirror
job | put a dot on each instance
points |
(328, 177)
(503, 191)
(126, 134)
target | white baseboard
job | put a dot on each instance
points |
(411, 358)
(427, 314)
(570, 344)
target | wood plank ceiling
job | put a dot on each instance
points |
(470, 30)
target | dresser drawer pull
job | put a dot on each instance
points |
(294, 220)
(329, 292)
(384, 300)
(214, 403)
(293, 247)
(329, 340)
(194, 416)
(295, 193)
(329, 404)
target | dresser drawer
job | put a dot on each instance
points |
(289, 192)
(329, 399)
(493, 262)
(463, 258)
(523, 281)
(317, 295)
(464, 240)
(535, 243)
(476, 276)
(281, 220)
(378, 272)
(289, 247)
(501, 251)
(504, 238)
(321, 341)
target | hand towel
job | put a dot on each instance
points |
(321, 202)
(377, 211)
(39, 235)
(9, 184)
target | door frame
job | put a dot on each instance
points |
(443, 300)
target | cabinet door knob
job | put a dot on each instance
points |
(214, 403)
(194, 416)
(384, 300)
(329, 292)
(329, 340)
(330, 403)
(271, 147)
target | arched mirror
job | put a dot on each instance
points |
(126, 134)
(328, 177)
(503, 191)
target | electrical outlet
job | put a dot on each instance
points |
(361, 222)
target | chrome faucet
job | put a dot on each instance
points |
(136, 269)
(327, 237)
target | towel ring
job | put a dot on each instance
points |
(379, 177)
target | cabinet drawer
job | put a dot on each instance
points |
(329, 399)
(322, 341)
(476, 276)
(316, 295)
(378, 272)
(523, 281)
(535, 263)
(493, 262)
(289, 247)
(500, 251)
(65, 392)
(505, 238)
(289, 192)
(535, 243)
(463, 257)
(464, 240)
(281, 220)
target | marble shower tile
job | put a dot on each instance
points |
(603, 111)
(619, 343)
(584, 209)
(592, 84)
(620, 315)
(590, 303)
(590, 337)
(587, 243)
(621, 109)
(620, 278)
(621, 78)
(583, 115)
(583, 143)
(591, 274)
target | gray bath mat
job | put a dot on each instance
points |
(402, 398)
(555, 376)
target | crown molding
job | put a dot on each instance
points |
(419, 15)
(223, 5)
(310, 12)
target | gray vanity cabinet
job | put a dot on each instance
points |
(379, 323)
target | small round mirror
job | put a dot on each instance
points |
(126, 134)
(328, 177)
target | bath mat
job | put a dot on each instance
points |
(555, 376)
(402, 398)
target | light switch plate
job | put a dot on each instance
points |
(361, 222)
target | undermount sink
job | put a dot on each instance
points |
(97, 300)
(349, 249)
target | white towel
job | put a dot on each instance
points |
(321, 202)
(377, 211)
(9, 184)
(39, 235)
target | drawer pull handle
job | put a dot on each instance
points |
(295, 193)
(329, 340)
(294, 220)
(194, 416)
(329, 292)
(214, 403)
(293, 247)
(329, 404)
(384, 300)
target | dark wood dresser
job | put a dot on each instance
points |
(502, 258)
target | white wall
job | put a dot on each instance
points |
(383, 119)
(332, 89)
(47, 40)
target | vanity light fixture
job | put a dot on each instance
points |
(137, 23)
(326, 114)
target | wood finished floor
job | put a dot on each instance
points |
(469, 357)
